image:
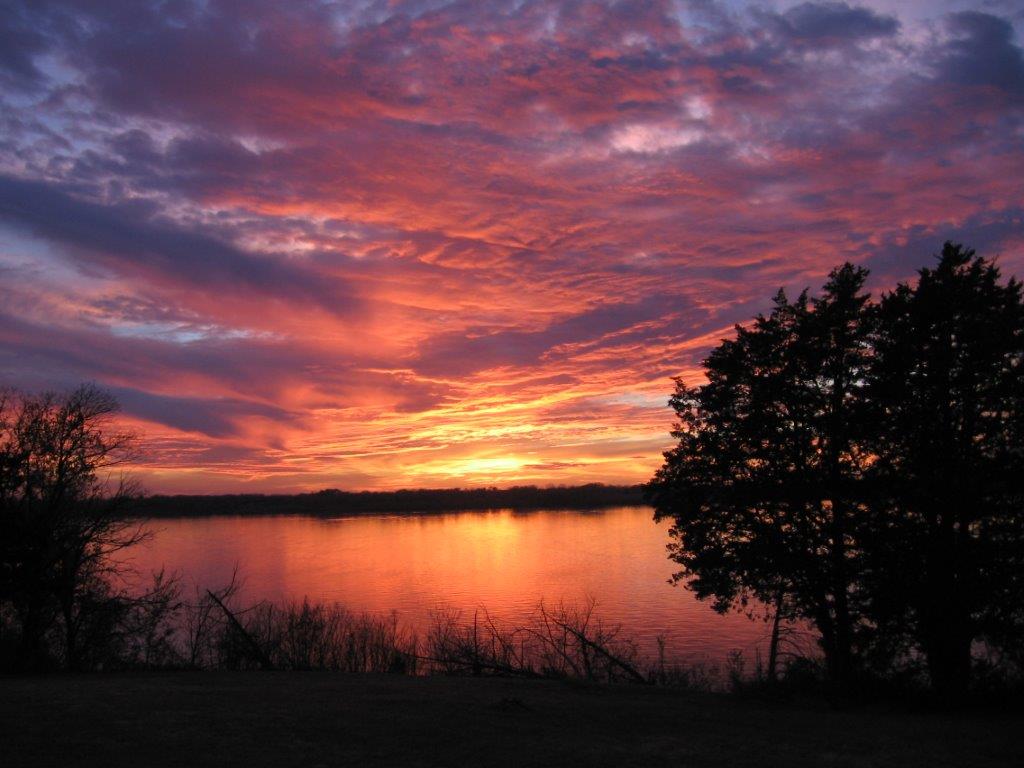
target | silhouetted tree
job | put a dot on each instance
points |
(759, 485)
(861, 466)
(948, 388)
(61, 519)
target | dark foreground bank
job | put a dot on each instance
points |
(284, 719)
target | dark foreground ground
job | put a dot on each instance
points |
(296, 719)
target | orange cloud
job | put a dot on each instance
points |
(426, 245)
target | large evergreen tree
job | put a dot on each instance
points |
(861, 466)
(759, 485)
(948, 389)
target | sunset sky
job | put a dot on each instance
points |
(389, 244)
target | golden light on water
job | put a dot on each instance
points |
(501, 562)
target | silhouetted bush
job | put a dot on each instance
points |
(564, 642)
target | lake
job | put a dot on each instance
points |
(505, 561)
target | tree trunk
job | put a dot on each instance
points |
(949, 661)
(773, 648)
(30, 651)
(949, 633)
(826, 626)
(842, 666)
(70, 637)
(840, 579)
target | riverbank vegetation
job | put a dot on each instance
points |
(209, 630)
(165, 627)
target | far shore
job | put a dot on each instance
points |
(336, 503)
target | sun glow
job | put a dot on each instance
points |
(474, 467)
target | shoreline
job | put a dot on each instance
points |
(335, 503)
(351, 514)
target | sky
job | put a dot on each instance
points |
(371, 245)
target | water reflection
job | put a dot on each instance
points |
(503, 560)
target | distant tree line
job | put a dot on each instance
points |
(859, 465)
(333, 502)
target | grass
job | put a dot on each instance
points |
(323, 719)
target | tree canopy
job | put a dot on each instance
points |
(857, 464)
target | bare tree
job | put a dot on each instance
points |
(63, 500)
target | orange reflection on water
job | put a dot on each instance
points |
(503, 561)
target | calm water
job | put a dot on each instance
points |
(503, 560)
